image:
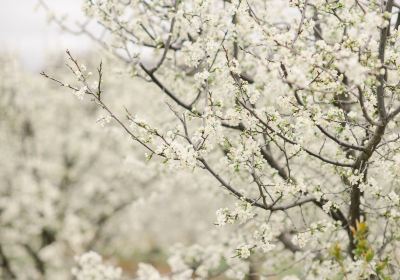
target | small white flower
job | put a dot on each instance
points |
(224, 217)
(244, 251)
(103, 121)
(202, 77)
(254, 97)
(301, 239)
(90, 266)
(81, 92)
(327, 206)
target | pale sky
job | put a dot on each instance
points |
(25, 30)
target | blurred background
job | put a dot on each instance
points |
(25, 30)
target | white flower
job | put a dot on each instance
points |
(79, 75)
(224, 217)
(103, 121)
(81, 92)
(327, 206)
(301, 239)
(202, 77)
(264, 236)
(234, 67)
(352, 115)
(243, 212)
(243, 251)
(90, 266)
(255, 95)
(148, 272)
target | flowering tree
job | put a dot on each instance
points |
(290, 106)
(51, 190)
(78, 185)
